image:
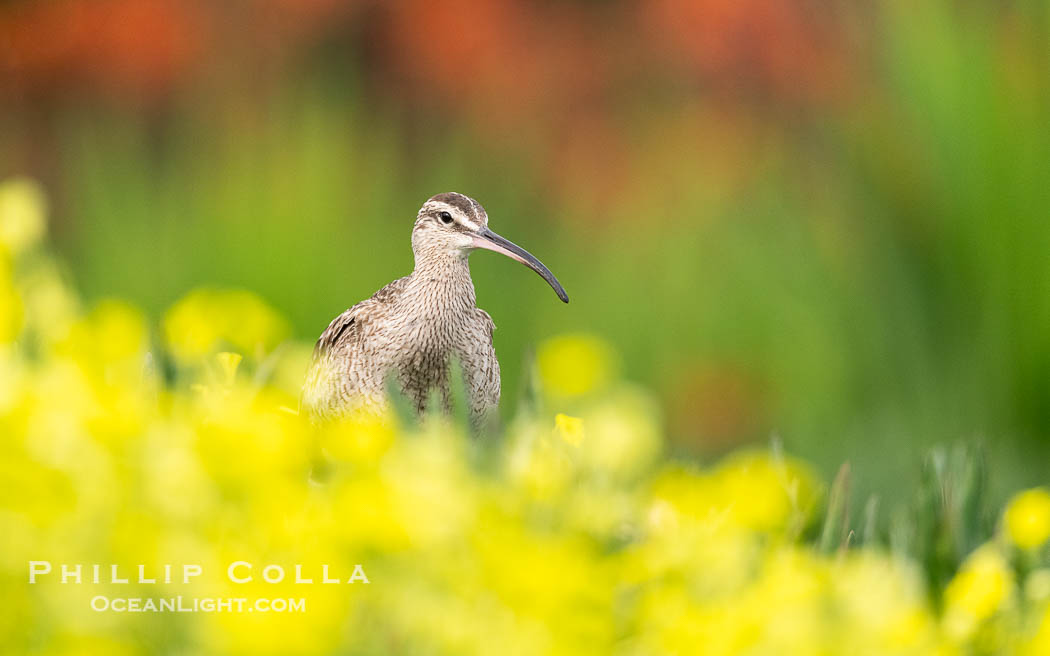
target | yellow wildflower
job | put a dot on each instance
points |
(766, 493)
(10, 304)
(113, 333)
(12, 378)
(1037, 586)
(23, 212)
(1027, 518)
(228, 364)
(569, 428)
(542, 466)
(361, 437)
(978, 591)
(206, 320)
(623, 434)
(1039, 644)
(891, 615)
(51, 306)
(574, 365)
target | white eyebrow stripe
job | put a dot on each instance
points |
(454, 211)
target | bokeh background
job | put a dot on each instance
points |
(825, 221)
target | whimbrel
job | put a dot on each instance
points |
(414, 328)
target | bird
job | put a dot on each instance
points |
(412, 330)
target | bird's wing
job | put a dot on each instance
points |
(339, 346)
(340, 328)
(348, 324)
(317, 394)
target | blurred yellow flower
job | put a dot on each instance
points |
(23, 214)
(51, 306)
(1039, 643)
(12, 378)
(360, 438)
(747, 492)
(10, 304)
(569, 428)
(623, 433)
(112, 333)
(1037, 585)
(766, 492)
(540, 464)
(1027, 518)
(228, 364)
(574, 365)
(892, 615)
(206, 320)
(980, 588)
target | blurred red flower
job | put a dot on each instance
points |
(138, 46)
(141, 48)
(784, 47)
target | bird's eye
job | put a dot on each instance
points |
(445, 217)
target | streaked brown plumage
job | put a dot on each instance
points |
(414, 327)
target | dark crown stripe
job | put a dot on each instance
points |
(459, 201)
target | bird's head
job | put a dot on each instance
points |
(453, 225)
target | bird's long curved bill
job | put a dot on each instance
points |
(487, 239)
